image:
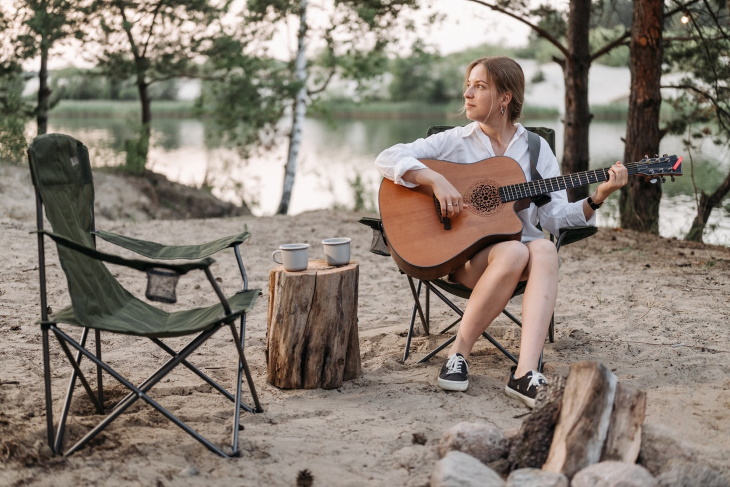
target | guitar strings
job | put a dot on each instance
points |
(533, 188)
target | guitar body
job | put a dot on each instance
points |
(425, 248)
(418, 241)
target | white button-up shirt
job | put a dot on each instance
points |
(469, 144)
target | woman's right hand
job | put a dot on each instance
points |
(448, 197)
(451, 201)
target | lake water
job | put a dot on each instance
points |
(334, 156)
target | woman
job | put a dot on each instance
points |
(493, 99)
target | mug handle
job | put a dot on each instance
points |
(273, 256)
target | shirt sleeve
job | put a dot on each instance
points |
(395, 161)
(558, 213)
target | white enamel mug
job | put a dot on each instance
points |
(294, 257)
(336, 250)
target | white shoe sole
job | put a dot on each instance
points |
(527, 401)
(450, 385)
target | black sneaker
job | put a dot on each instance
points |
(454, 374)
(525, 388)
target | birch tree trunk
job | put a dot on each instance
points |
(299, 111)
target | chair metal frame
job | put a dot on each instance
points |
(50, 326)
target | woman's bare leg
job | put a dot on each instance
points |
(538, 303)
(493, 274)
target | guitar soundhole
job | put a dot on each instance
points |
(483, 198)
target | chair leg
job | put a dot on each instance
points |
(416, 309)
(417, 303)
(99, 377)
(49, 391)
(242, 368)
(551, 329)
(437, 350)
(194, 370)
(139, 393)
(69, 394)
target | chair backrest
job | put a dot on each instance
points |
(61, 173)
(546, 133)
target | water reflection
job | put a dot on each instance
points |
(334, 154)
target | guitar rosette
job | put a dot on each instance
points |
(483, 199)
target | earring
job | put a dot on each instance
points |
(501, 110)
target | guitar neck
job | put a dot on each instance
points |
(529, 189)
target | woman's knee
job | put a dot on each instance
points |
(543, 252)
(514, 253)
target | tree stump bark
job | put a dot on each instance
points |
(312, 339)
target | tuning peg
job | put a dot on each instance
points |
(664, 180)
(653, 180)
(672, 177)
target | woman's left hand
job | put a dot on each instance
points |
(618, 176)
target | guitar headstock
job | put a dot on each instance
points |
(659, 166)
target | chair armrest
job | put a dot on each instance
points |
(571, 235)
(154, 250)
(379, 244)
(141, 265)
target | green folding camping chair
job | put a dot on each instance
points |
(61, 174)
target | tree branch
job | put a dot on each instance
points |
(540, 31)
(723, 114)
(326, 82)
(611, 45)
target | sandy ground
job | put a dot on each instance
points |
(655, 311)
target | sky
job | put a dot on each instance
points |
(466, 24)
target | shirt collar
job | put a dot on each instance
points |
(474, 126)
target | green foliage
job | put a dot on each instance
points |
(136, 152)
(538, 49)
(245, 95)
(702, 103)
(89, 84)
(611, 14)
(48, 23)
(152, 43)
(420, 77)
(618, 56)
(364, 199)
(14, 111)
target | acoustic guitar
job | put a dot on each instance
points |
(426, 245)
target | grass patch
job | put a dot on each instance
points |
(122, 109)
(336, 109)
(345, 109)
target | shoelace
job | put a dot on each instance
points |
(453, 365)
(537, 379)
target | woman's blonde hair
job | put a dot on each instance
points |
(507, 76)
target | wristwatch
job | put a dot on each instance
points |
(593, 204)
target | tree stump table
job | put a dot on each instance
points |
(311, 336)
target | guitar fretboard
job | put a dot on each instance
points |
(529, 189)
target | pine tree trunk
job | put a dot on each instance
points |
(639, 201)
(299, 112)
(577, 109)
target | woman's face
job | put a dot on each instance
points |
(481, 100)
